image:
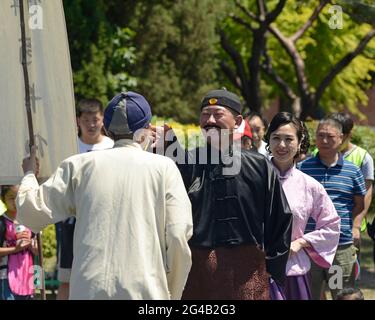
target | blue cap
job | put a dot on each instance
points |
(126, 113)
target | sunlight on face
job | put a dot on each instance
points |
(284, 143)
(257, 128)
(217, 121)
(90, 124)
(328, 139)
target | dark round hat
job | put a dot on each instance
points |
(126, 113)
(224, 98)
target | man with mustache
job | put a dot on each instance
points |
(241, 219)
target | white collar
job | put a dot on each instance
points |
(127, 143)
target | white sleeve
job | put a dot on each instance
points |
(39, 206)
(179, 229)
(367, 167)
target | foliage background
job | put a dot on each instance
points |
(170, 51)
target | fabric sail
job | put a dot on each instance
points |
(51, 88)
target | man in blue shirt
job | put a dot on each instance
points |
(344, 183)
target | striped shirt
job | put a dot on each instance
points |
(342, 182)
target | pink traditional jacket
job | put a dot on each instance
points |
(307, 197)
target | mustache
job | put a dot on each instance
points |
(208, 127)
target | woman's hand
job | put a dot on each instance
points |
(297, 245)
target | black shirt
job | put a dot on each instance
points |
(241, 206)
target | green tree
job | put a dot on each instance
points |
(246, 52)
(101, 47)
(314, 66)
(176, 46)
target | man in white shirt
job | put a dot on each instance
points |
(133, 214)
(90, 127)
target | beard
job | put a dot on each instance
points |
(217, 137)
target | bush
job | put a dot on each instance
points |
(187, 134)
(49, 241)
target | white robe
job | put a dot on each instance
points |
(133, 221)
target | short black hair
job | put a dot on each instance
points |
(252, 114)
(345, 120)
(89, 106)
(348, 292)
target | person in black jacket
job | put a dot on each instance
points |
(241, 219)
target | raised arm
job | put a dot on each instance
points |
(39, 206)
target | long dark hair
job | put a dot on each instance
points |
(283, 118)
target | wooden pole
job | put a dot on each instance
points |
(31, 130)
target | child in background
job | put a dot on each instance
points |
(2, 206)
(16, 252)
(350, 294)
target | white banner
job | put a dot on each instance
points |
(51, 88)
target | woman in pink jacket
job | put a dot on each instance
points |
(287, 139)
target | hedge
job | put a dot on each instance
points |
(49, 242)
